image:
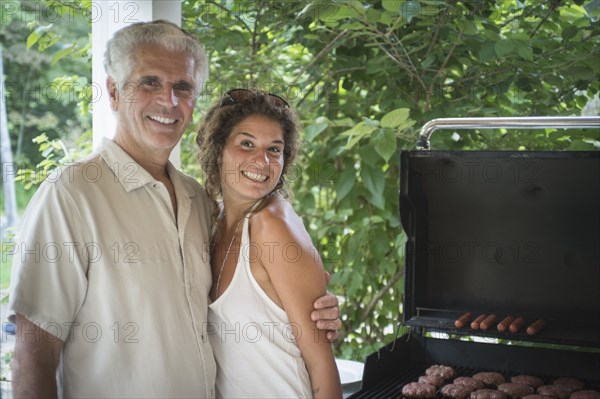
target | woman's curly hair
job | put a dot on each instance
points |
(217, 125)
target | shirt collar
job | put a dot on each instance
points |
(130, 174)
(178, 179)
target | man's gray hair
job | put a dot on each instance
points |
(119, 50)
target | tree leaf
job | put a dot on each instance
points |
(470, 29)
(62, 53)
(380, 246)
(324, 11)
(504, 47)
(525, 52)
(568, 32)
(356, 283)
(391, 5)
(592, 8)
(373, 15)
(374, 181)
(583, 72)
(341, 12)
(487, 51)
(357, 133)
(428, 61)
(385, 143)
(580, 145)
(345, 183)
(386, 18)
(314, 130)
(33, 38)
(37, 34)
(395, 118)
(368, 154)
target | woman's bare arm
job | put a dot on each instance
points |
(296, 273)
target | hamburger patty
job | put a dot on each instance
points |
(515, 390)
(530, 380)
(456, 391)
(438, 370)
(556, 391)
(490, 378)
(431, 379)
(572, 383)
(470, 382)
(417, 390)
(587, 394)
(488, 394)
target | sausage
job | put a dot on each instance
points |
(488, 322)
(516, 325)
(463, 320)
(504, 324)
(536, 327)
(475, 323)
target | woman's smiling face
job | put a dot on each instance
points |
(252, 159)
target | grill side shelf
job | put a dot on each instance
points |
(583, 337)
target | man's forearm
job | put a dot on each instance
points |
(35, 361)
(31, 381)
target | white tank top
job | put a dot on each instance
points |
(252, 340)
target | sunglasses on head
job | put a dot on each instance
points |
(235, 96)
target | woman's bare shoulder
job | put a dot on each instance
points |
(277, 221)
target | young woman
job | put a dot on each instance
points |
(266, 272)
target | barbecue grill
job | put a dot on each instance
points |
(497, 232)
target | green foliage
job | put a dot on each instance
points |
(4, 365)
(47, 99)
(54, 155)
(364, 76)
(47, 54)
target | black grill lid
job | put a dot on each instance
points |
(509, 233)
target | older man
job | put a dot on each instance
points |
(111, 282)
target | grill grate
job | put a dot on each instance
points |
(392, 388)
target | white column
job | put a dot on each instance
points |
(107, 17)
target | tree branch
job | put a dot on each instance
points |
(321, 53)
(367, 313)
(377, 297)
(240, 20)
(519, 16)
(439, 72)
(255, 42)
(435, 36)
(544, 18)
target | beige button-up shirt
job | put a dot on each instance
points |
(101, 262)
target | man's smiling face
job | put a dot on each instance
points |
(155, 105)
